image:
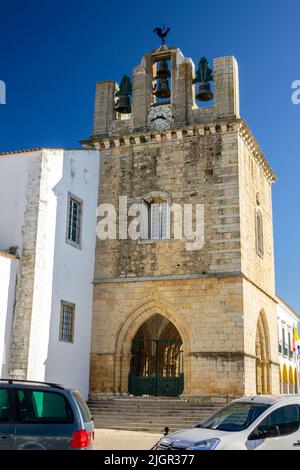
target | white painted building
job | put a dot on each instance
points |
(288, 349)
(9, 266)
(48, 200)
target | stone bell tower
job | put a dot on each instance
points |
(168, 320)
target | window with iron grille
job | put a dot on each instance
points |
(74, 221)
(67, 322)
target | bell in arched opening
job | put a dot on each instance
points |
(203, 77)
(123, 105)
(162, 89)
(163, 70)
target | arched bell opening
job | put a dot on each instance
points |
(156, 365)
(262, 352)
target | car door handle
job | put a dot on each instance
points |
(296, 444)
(5, 436)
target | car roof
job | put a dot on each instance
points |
(14, 383)
(268, 399)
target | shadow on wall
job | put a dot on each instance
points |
(9, 317)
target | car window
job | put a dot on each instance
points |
(42, 407)
(235, 417)
(85, 412)
(285, 418)
(5, 408)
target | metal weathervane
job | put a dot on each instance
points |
(162, 33)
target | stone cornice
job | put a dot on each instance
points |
(255, 150)
(182, 277)
(106, 142)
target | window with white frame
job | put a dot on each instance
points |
(155, 216)
(67, 319)
(74, 220)
(159, 220)
(259, 232)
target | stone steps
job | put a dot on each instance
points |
(150, 414)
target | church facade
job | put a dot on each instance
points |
(168, 320)
(171, 291)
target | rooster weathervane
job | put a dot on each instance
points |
(162, 33)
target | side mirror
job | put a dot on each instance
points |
(272, 431)
(263, 433)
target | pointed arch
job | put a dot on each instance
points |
(262, 352)
(129, 324)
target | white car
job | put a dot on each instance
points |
(263, 422)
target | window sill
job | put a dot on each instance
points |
(75, 245)
(149, 241)
(261, 255)
(66, 342)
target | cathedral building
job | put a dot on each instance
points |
(170, 318)
(143, 263)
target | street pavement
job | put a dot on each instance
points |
(112, 439)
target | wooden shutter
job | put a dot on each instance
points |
(155, 221)
(144, 217)
(164, 220)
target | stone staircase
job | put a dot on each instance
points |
(150, 414)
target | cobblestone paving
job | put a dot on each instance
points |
(111, 439)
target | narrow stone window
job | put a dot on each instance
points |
(74, 221)
(259, 233)
(67, 318)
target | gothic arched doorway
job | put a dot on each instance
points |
(262, 352)
(156, 366)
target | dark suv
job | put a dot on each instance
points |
(37, 415)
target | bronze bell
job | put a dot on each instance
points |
(204, 92)
(203, 78)
(123, 105)
(162, 90)
(163, 70)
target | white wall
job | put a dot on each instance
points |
(64, 272)
(287, 320)
(8, 272)
(14, 169)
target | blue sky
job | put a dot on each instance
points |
(53, 53)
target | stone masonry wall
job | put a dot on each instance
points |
(196, 170)
(253, 182)
(25, 281)
(256, 302)
(208, 314)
